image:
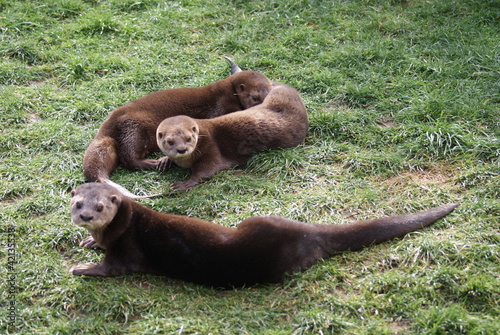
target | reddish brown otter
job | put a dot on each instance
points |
(128, 135)
(208, 146)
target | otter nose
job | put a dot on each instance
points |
(86, 218)
(182, 151)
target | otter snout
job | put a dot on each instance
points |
(86, 218)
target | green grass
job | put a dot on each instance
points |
(403, 98)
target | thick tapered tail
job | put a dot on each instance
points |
(364, 233)
(101, 159)
(234, 67)
(126, 192)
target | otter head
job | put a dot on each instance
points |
(94, 205)
(251, 87)
(177, 136)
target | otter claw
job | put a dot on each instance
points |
(183, 186)
(82, 269)
(163, 164)
(89, 243)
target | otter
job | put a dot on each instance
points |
(128, 134)
(259, 250)
(224, 142)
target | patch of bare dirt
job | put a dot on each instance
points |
(400, 327)
(433, 176)
(385, 123)
(336, 106)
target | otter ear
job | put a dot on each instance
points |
(194, 129)
(160, 135)
(114, 198)
(242, 87)
(72, 193)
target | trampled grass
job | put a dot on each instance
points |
(403, 98)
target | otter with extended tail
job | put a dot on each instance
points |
(260, 249)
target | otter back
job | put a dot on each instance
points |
(230, 140)
(260, 249)
(127, 136)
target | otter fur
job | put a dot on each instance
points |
(224, 142)
(259, 250)
(128, 135)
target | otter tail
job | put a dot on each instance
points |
(364, 233)
(234, 67)
(126, 192)
(100, 160)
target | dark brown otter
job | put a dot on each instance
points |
(208, 146)
(260, 249)
(128, 135)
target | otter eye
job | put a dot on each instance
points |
(188, 140)
(99, 208)
(255, 99)
(170, 143)
(78, 205)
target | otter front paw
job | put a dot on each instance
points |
(145, 164)
(102, 270)
(87, 269)
(163, 164)
(184, 186)
(89, 243)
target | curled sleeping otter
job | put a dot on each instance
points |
(260, 249)
(129, 132)
(211, 145)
